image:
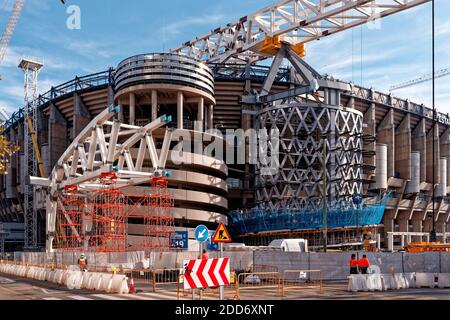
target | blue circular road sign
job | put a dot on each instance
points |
(201, 233)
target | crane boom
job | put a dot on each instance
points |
(10, 26)
(293, 21)
(425, 78)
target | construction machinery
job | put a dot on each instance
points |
(10, 26)
(416, 247)
(439, 74)
(37, 152)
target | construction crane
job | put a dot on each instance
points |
(10, 26)
(260, 35)
(439, 74)
(37, 152)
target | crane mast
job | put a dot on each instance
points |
(10, 26)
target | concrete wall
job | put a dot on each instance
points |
(335, 265)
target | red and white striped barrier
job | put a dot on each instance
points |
(206, 273)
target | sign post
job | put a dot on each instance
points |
(220, 236)
(201, 234)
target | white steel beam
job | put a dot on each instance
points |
(295, 21)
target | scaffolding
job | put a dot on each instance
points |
(69, 219)
(109, 217)
(98, 221)
(159, 222)
(340, 214)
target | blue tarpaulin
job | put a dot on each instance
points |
(339, 214)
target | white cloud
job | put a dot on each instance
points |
(180, 26)
(89, 49)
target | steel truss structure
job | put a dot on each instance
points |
(103, 147)
(304, 128)
(307, 117)
(31, 71)
(291, 21)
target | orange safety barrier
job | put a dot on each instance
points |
(301, 279)
(257, 280)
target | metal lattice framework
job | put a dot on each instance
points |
(10, 26)
(302, 128)
(105, 146)
(293, 21)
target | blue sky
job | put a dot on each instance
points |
(112, 30)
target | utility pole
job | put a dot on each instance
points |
(325, 196)
(433, 229)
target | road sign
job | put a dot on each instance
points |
(221, 234)
(179, 240)
(206, 273)
(211, 246)
(201, 233)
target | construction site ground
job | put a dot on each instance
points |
(14, 288)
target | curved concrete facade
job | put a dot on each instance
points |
(151, 85)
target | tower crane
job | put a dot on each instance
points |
(10, 26)
(439, 74)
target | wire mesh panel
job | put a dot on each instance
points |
(301, 279)
(257, 281)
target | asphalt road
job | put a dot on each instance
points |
(15, 288)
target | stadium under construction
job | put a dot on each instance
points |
(349, 158)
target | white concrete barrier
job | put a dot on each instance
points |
(444, 280)
(119, 284)
(410, 280)
(425, 280)
(87, 278)
(105, 283)
(357, 282)
(74, 279)
(400, 281)
(374, 282)
(94, 284)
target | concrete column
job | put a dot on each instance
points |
(154, 105)
(370, 129)
(180, 111)
(403, 148)
(388, 222)
(427, 225)
(386, 135)
(57, 136)
(417, 226)
(419, 143)
(81, 116)
(121, 116)
(403, 223)
(430, 138)
(210, 116)
(132, 108)
(440, 228)
(201, 113)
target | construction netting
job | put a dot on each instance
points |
(340, 214)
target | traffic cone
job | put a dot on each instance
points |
(131, 291)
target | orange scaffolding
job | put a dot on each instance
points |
(159, 222)
(109, 217)
(69, 220)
